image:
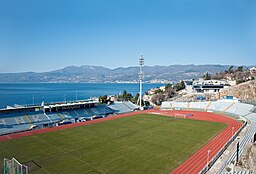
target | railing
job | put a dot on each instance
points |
(246, 138)
(215, 158)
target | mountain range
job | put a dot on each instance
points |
(99, 74)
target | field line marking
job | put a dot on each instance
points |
(102, 171)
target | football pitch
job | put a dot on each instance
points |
(144, 143)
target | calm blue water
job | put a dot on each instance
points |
(35, 93)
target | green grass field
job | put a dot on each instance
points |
(138, 144)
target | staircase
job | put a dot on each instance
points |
(208, 106)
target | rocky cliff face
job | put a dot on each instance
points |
(246, 92)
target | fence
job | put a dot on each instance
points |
(214, 159)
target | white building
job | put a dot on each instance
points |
(253, 70)
(209, 86)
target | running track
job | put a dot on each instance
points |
(194, 164)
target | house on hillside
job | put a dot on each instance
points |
(253, 70)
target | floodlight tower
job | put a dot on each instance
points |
(141, 63)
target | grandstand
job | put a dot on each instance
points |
(231, 108)
(23, 119)
(77, 111)
(11, 123)
(12, 120)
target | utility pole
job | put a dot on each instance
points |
(208, 159)
(141, 63)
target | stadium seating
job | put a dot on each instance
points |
(17, 121)
(220, 106)
(68, 114)
(83, 113)
(21, 121)
(38, 118)
(166, 105)
(101, 110)
(179, 104)
(240, 109)
(120, 107)
(14, 122)
(198, 105)
(130, 105)
(86, 113)
(54, 116)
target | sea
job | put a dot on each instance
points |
(34, 93)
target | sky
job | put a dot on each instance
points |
(44, 35)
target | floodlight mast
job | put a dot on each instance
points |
(141, 63)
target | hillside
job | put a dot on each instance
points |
(97, 74)
(246, 91)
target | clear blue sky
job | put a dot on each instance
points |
(43, 35)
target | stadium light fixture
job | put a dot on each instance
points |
(141, 63)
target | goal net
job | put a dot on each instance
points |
(13, 166)
(180, 116)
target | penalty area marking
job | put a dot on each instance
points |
(67, 152)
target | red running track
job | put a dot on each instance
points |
(194, 164)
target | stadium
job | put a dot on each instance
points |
(88, 137)
(120, 137)
(75, 96)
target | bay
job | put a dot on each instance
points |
(35, 93)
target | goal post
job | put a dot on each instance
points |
(13, 166)
(180, 116)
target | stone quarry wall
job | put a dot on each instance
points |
(246, 92)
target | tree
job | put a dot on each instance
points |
(103, 99)
(157, 99)
(146, 103)
(168, 86)
(182, 84)
(207, 76)
(218, 76)
(230, 70)
(136, 98)
(124, 92)
(170, 92)
(240, 69)
(125, 96)
(158, 91)
(179, 86)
